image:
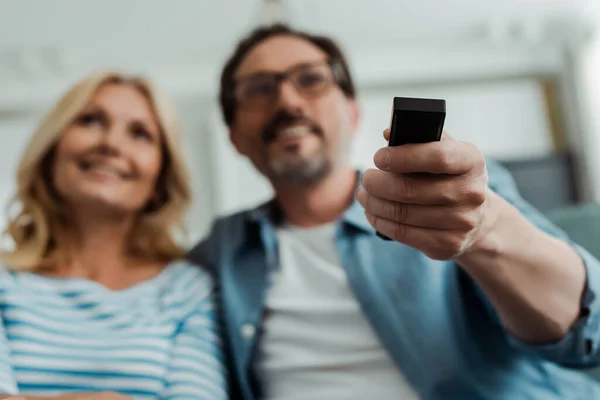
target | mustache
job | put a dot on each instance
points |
(283, 119)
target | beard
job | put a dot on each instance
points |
(300, 169)
(292, 167)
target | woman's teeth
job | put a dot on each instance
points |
(105, 169)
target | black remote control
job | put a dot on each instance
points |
(416, 120)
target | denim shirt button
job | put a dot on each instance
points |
(248, 331)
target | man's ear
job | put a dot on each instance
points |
(237, 143)
(355, 115)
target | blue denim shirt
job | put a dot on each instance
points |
(437, 325)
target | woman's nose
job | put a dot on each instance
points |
(112, 139)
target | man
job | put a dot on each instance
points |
(477, 297)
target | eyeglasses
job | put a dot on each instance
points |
(262, 89)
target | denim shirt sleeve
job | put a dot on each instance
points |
(199, 254)
(203, 252)
(580, 346)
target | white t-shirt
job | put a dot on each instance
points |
(317, 343)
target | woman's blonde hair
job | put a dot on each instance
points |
(38, 228)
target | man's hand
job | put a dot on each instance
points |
(429, 196)
(434, 197)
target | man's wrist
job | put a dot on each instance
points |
(498, 227)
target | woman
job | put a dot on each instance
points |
(95, 296)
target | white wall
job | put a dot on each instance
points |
(15, 131)
(505, 119)
(587, 79)
(196, 150)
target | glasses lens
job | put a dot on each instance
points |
(312, 80)
(257, 91)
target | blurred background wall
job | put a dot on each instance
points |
(521, 78)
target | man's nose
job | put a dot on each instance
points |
(289, 98)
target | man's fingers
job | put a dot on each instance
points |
(386, 134)
(423, 189)
(454, 217)
(444, 157)
(434, 243)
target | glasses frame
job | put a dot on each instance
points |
(280, 77)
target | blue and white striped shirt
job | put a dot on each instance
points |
(155, 340)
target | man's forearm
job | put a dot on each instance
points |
(534, 281)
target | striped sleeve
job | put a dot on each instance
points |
(8, 384)
(197, 369)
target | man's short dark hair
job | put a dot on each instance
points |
(326, 44)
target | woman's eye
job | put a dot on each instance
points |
(141, 133)
(89, 119)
